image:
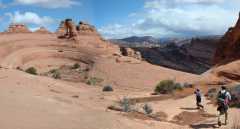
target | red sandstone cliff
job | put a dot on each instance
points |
(229, 46)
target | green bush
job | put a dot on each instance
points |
(31, 70)
(94, 81)
(107, 89)
(56, 75)
(53, 71)
(147, 109)
(76, 66)
(167, 86)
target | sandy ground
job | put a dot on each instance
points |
(31, 102)
(38, 102)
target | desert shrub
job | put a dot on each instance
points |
(187, 85)
(235, 92)
(147, 109)
(167, 86)
(126, 105)
(94, 81)
(179, 86)
(53, 71)
(56, 75)
(212, 93)
(76, 66)
(107, 89)
(31, 70)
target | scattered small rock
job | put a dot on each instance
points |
(75, 96)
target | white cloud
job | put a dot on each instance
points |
(48, 3)
(34, 28)
(178, 18)
(30, 18)
(173, 3)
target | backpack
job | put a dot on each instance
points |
(222, 98)
(222, 102)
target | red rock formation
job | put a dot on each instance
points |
(85, 28)
(61, 28)
(229, 46)
(42, 30)
(70, 28)
(18, 28)
(67, 29)
(131, 53)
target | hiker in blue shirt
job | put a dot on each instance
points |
(198, 99)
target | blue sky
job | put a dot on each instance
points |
(123, 18)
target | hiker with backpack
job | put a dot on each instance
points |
(198, 99)
(224, 97)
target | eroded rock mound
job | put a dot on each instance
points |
(17, 28)
(131, 53)
(67, 29)
(85, 28)
(42, 30)
(229, 46)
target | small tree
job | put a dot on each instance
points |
(31, 70)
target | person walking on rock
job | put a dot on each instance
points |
(224, 97)
(198, 99)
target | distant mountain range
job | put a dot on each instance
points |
(192, 55)
(134, 41)
(149, 41)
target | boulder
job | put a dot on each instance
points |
(229, 46)
(130, 53)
